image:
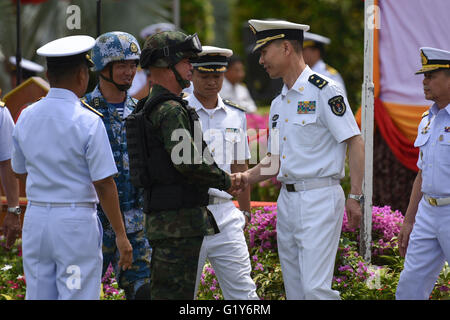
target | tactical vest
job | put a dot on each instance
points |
(151, 166)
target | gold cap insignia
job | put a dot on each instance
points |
(424, 58)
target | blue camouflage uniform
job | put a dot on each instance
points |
(130, 199)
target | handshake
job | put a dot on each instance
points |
(239, 182)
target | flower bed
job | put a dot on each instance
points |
(353, 277)
(13, 282)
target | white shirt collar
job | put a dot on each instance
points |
(60, 93)
(198, 105)
(299, 84)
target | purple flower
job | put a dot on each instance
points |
(259, 266)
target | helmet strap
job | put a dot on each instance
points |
(182, 82)
(120, 87)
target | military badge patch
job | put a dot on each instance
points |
(447, 129)
(232, 130)
(337, 105)
(306, 107)
(133, 47)
(274, 120)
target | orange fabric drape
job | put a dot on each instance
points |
(397, 123)
(401, 147)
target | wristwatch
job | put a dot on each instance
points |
(357, 197)
(15, 210)
(247, 214)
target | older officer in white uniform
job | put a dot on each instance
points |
(311, 125)
(425, 234)
(313, 52)
(62, 152)
(224, 127)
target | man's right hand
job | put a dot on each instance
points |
(125, 251)
(239, 182)
(403, 238)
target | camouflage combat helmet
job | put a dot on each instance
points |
(111, 47)
(166, 49)
(114, 46)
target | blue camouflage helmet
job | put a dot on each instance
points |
(114, 46)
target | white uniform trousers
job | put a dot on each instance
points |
(428, 248)
(308, 229)
(228, 253)
(62, 253)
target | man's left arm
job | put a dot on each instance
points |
(356, 165)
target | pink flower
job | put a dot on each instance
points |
(259, 266)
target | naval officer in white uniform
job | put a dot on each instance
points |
(62, 153)
(224, 127)
(313, 52)
(425, 234)
(311, 126)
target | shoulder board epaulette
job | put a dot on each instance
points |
(425, 113)
(331, 70)
(317, 81)
(90, 108)
(2, 104)
(234, 105)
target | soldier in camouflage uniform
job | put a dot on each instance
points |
(177, 218)
(115, 56)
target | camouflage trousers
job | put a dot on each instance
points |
(174, 266)
(138, 276)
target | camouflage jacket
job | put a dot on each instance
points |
(164, 119)
(130, 199)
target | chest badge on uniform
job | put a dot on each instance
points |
(447, 129)
(337, 105)
(306, 107)
(274, 120)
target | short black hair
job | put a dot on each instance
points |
(56, 74)
(233, 59)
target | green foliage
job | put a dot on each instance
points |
(342, 21)
(197, 17)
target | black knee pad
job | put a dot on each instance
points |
(143, 293)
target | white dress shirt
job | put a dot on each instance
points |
(6, 129)
(63, 147)
(225, 132)
(310, 144)
(239, 94)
